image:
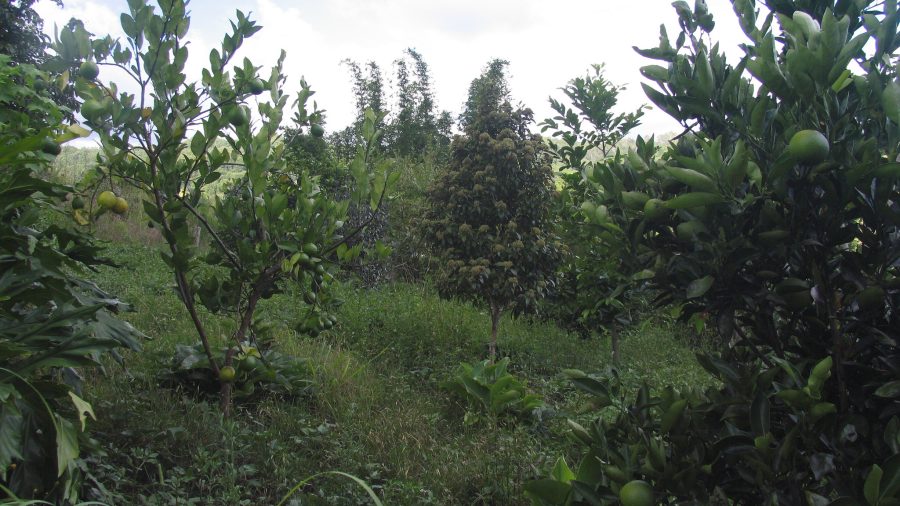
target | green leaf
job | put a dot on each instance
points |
(704, 74)
(11, 432)
(694, 199)
(590, 470)
(549, 491)
(889, 390)
(848, 52)
(888, 172)
(673, 415)
(698, 287)
(890, 481)
(198, 143)
(594, 387)
(580, 432)
(561, 471)
(584, 493)
(277, 205)
(759, 414)
(872, 487)
(83, 408)
(574, 373)
(66, 444)
(694, 179)
(718, 368)
(890, 100)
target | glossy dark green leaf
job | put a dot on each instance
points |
(872, 486)
(699, 287)
(551, 491)
(889, 390)
(760, 414)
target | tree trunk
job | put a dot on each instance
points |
(239, 336)
(225, 387)
(495, 323)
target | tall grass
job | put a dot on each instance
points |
(377, 412)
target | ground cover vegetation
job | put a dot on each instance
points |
(225, 303)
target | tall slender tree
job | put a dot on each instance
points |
(415, 128)
(489, 219)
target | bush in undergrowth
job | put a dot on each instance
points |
(779, 219)
(489, 388)
(596, 289)
(53, 322)
(255, 372)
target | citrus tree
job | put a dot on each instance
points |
(596, 287)
(489, 216)
(53, 322)
(275, 228)
(776, 213)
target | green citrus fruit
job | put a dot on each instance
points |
(635, 200)
(93, 109)
(237, 117)
(636, 493)
(808, 146)
(614, 473)
(77, 202)
(798, 300)
(89, 70)
(107, 199)
(251, 362)
(227, 374)
(317, 130)
(121, 206)
(655, 209)
(256, 86)
(51, 147)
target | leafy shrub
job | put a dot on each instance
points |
(779, 219)
(735, 443)
(491, 389)
(256, 372)
(596, 289)
(285, 227)
(52, 320)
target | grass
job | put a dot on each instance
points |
(377, 411)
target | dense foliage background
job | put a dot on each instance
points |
(418, 310)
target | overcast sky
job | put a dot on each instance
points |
(547, 43)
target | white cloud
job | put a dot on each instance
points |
(547, 44)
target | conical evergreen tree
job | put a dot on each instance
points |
(489, 220)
